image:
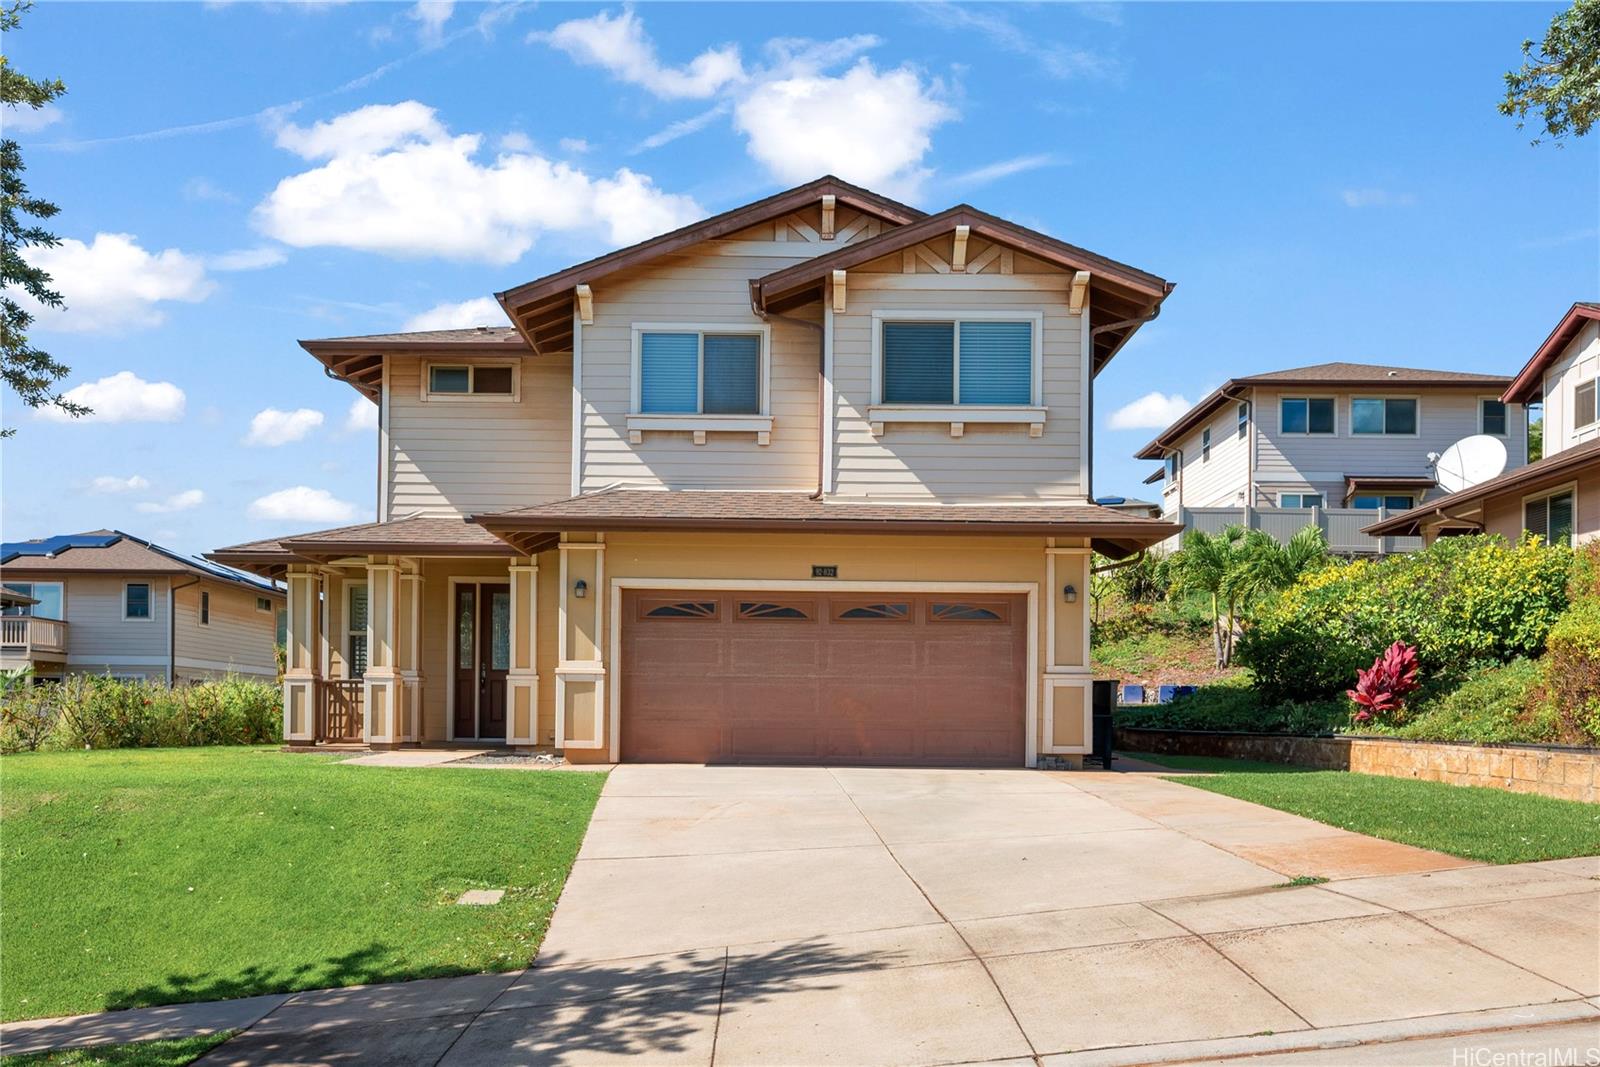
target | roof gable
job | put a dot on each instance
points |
(1528, 383)
(112, 551)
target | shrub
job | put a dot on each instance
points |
(89, 712)
(1495, 705)
(1382, 688)
(1463, 602)
(1236, 707)
(1572, 669)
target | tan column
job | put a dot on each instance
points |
(303, 657)
(408, 657)
(383, 685)
(1068, 678)
(522, 682)
(580, 640)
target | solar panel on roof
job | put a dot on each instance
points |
(49, 546)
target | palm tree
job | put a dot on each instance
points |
(1236, 567)
(1268, 566)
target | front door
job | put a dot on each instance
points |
(483, 656)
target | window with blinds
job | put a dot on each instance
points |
(697, 373)
(1550, 517)
(958, 362)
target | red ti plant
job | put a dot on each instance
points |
(1381, 689)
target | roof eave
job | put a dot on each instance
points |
(1529, 382)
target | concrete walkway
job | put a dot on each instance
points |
(806, 915)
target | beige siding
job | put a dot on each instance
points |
(1503, 514)
(1221, 481)
(1319, 463)
(913, 461)
(97, 634)
(239, 638)
(1579, 362)
(708, 287)
(455, 457)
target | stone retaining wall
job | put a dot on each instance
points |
(1553, 771)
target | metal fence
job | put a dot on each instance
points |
(1341, 526)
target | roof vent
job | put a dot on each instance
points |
(483, 329)
(1394, 374)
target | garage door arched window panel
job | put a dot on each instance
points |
(968, 611)
(793, 610)
(678, 609)
(880, 611)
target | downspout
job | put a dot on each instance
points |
(823, 447)
(172, 627)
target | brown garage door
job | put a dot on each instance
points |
(823, 678)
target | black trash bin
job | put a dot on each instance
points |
(1105, 698)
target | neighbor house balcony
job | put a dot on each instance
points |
(1340, 526)
(25, 638)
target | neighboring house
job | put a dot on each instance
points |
(1328, 444)
(1129, 506)
(1558, 496)
(805, 481)
(107, 602)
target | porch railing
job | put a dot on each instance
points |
(26, 634)
(340, 718)
(1341, 526)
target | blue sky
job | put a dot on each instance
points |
(1322, 181)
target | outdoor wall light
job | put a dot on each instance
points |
(581, 589)
(1071, 593)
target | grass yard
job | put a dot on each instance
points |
(175, 1052)
(1481, 824)
(140, 877)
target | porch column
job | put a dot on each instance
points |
(522, 681)
(408, 657)
(580, 642)
(1067, 715)
(303, 657)
(382, 688)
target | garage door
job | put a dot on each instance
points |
(823, 678)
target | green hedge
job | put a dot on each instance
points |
(1235, 707)
(1465, 602)
(89, 712)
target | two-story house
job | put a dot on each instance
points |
(1558, 496)
(806, 481)
(1325, 445)
(106, 602)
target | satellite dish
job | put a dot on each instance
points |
(1469, 461)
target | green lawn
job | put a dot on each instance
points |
(139, 877)
(175, 1052)
(1490, 825)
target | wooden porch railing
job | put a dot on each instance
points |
(340, 718)
(27, 634)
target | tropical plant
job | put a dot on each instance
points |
(1382, 688)
(1562, 80)
(1235, 569)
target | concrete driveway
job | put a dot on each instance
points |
(810, 916)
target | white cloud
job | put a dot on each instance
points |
(302, 504)
(430, 17)
(396, 181)
(1056, 59)
(516, 141)
(864, 125)
(184, 501)
(1153, 411)
(122, 397)
(1376, 198)
(362, 416)
(206, 189)
(618, 44)
(574, 146)
(29, 119)
(682, 128)
(479, 311)
(110, 483)
(271, 427)
(1005, 168)
(112, 285)
(248, 259)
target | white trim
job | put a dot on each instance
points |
(826, 432)
(763, 386)
(1507, 433)
(1083, 681)
(577, 404)
(471, 364)
(1415, 398)
(383, 445)
(800, 585)
(955, 316)
(149, 600)
(1547, 494)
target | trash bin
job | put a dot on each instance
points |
(1105, 694)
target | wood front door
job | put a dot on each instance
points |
(482, 621)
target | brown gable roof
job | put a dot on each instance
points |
(359, 360)
(1325, 375)
(423, 536)
(1528, 384)
(542, 308)
(1121, 292)
(1549, 470)
(1114, 532)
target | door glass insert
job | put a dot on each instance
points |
(500, 630)
(763, 609)
(963, 613)
(466, 608)
(687, 609)
(877, 611)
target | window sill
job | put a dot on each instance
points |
(958, 416)
(700, 425)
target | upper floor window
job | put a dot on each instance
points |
(205, 608)
(1244, 417)
(700, 372)
(48, 594)
(1171, 462)
(1374, 501)
(136, 600)
(1583, 404)
(1307, 415)
(1550, 517)
(264, 604)
(1205, 445)
(489, 381)
(1300, 500)
(1492, 417)
(1383, 415)
(967, 360)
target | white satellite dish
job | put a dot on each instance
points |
(1468, 462)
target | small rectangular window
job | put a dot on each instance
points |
(1492, 417)
(1306, 415)
(1205, 445)
(1172, 467)
(1244, 417)
(1374, 501)
(449, 380)
(1300, 500)
(471, 379)
(205, 608)
(1381, 415)
(136, 600)
(264, 604)
(1583, 404)
(282, 628)
(355, 625)
(694, 373)
(919, 362)
(958, 362)
(1550, 517)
